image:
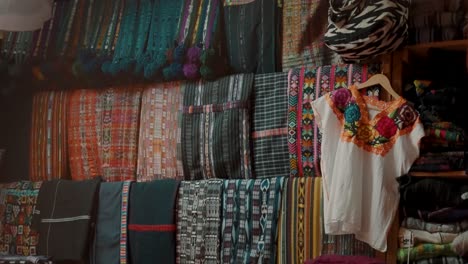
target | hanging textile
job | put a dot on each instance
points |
(251, 210)
(299, 229)
(199, 221)
(252, 34)
(24, 15)
(119, 126)
(333, 259)
(110, 243)
(159, 139)
(60, 217)
(200, 51)
(17, 203)
(296, 14)
(215, 128)
(48, 151)
(306, 85)
(84, 126)
(152, 222)
(270, 128)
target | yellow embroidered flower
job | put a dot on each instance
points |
(366, 133)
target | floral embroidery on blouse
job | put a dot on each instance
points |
(378, 135)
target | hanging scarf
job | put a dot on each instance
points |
(199, 221)
(304, 86)
(252, 35)
(215, 128)
(251, 210)
(60, 216)
(269, 125)
(48, 151)
(159, 139)
(152, 222)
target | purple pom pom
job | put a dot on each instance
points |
(191, 71)
(193, 54)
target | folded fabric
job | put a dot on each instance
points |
(66, 211)
(159, 137)
(250, 216)
(199, 221)
(252, 36)
(460, 244)
(432, 194)
(418, 224)
(337, 259)
(442, 161)
(152, 228)
(110, 242)
(17, 203)
(420, 236)
(440, 260)
(423, 251)
(444, 215)
(216, 128)
(269, 125)
(7, 259)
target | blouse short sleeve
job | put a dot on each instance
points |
(24, 15)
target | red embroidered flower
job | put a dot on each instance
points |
(406, 115)
(341, 97)
(386, 127)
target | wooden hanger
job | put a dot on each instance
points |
(382, 80)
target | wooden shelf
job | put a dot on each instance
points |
(421, 49)
(448, 174)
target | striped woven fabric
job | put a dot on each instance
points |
(17, 203)
(159, 136)
(270, 128)
(48, 151)
(306, 85)
(252, 30)
(250, 218)
(295, 16)
(83, 127)
(236, 2)
(216, 128)
(199, 221)
(119, 127)
(299, 230)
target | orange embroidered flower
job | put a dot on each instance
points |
(366, 133)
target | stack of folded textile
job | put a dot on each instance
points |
(443, 148)
(435, 20)
(435, 213)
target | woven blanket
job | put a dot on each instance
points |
(110, 243)
(199, 221)
(66, 211)
(216, 128)
(159, 139)
(152, 229)
(17, 203)
(14, 259)
(424, 251)
(118, 141)
(84, 116)
(296, 14)
(252, 35)
(48, 151)
(306, 85)
(269, 125)
(251, 210)
(440, 260)
(299, 229)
